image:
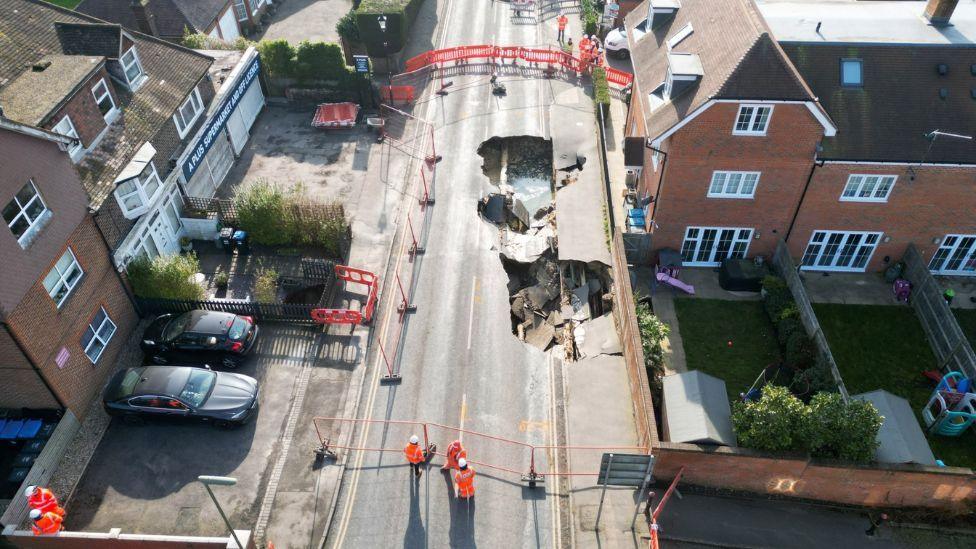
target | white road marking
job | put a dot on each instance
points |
(474, 285)
(464, 413)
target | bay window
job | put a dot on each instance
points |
(136, 194)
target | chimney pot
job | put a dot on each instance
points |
(938, 12)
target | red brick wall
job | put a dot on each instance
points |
(939, 201)
(784, 157)
(948, 488)
(42, 328)
(22, 388)
(87, 540)
(83, 110)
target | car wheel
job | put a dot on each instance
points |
(133, 419)
(230, 362)
(623, 54)
(224, 425)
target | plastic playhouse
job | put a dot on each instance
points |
(952, 407)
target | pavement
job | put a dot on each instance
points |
(313, 20)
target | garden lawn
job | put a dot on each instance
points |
(70, 4)
(708, 325)
(967, 321)
(884, 347)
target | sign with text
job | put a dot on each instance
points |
(362, 63)
(217, 123)
(610, 12)
(62, 357)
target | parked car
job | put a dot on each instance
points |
(200, 337)
(181, 392)
(615, 44)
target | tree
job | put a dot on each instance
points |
(835, 429)
(261, 212)
(773, 423)
(168, 276)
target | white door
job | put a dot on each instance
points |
(251, 104)
(956, 256)
(708, 246)
(228, 26)
(164, 236)
(840, 250)
(237, 130)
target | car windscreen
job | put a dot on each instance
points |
(197, 387)
(176, 327)
(237, 329)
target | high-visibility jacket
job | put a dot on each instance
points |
(562, 22)
(44, 500)
(455, 452)
(414, 453)
(584, 44)
(465, 482)
(48, 523)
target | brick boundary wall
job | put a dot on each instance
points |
(950, 489)
(625, 315)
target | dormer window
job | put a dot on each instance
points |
(188, 113)
(134, 75)
(103, 98)
(659, 11)
(65, 127)
(138, 184)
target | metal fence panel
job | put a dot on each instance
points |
(948, 341)
(788, 270)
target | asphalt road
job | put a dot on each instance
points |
(461, 363)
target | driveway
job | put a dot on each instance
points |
(143, 478)
(313, 20)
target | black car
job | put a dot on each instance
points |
(200, 337)
(181, 392)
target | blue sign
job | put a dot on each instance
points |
(362, 63)
(216, 124)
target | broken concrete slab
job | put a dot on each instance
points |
(580, 302)
(601, 337)
(528, 247)
(540, 333)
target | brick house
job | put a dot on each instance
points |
(752, 121)
(169, 19)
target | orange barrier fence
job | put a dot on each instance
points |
(503, 53)
(397, 94)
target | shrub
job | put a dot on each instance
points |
(601, 90)
(799, 351)
(653, 332)
(773, 423)
(320, 61)
(589, 16)
(201, 41)
(776, 297)
(274, 217)
(786, 328)
(261, 212)
(834, 429)
(266, 286)
(277, 58)
(816, 379)
(347, 27)
(165, 277)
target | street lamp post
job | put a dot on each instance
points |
(220, 481)
(386, 54)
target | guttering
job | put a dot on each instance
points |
(883, 163)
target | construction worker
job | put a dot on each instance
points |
(454, 452)
(464, 479)
(584, 46)
(562, 21)
(43, 500)
(45, 524)
(415, 455)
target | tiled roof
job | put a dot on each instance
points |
(38, 91)
(172, 16)
(739, 58)
(899, 102)
(28, 33)
(88, 38)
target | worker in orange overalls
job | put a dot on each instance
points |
(43, 500)
(561, 21)
(464, 479)
(45, 524)
(415, 455)
(584, 46)
(454, 452)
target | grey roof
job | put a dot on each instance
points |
(853, 21)
(28, 32)
(171, 16)
(38, 91)
(86, 38)
(900, 437)
(696, 409)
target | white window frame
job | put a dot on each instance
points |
(754, 117)
(255, 5)
(62, 279)
(858, 183)
(740, 235)
(239, 8)
(141, 77)
(860, 72)
(34, 224)
(955, 247)
(178, 119)
(66, 127)
(825, 242)
(683, 32)
(140, 183)
(109, 115)
(724, 181)
(97, 335)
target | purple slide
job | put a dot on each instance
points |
(671, 281)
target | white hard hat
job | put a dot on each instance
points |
(462, 463)
(414, 439)
(35, 514)
(29, 491)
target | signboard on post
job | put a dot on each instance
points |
(362, 63)
(633, 470)
(610, 12)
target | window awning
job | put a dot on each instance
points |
(138, 163)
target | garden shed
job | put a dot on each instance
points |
(900, 439)
(696, 409)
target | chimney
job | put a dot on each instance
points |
(938, 12)
(145, 20)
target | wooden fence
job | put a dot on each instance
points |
(947, 339)
(787, 269)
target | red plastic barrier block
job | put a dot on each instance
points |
(397, 93)
(336, 316)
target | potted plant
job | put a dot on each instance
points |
(186, 243)
(221, 279)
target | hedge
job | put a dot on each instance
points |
(309, 62)
(589, 16)
(601, 89)
(400, 15)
